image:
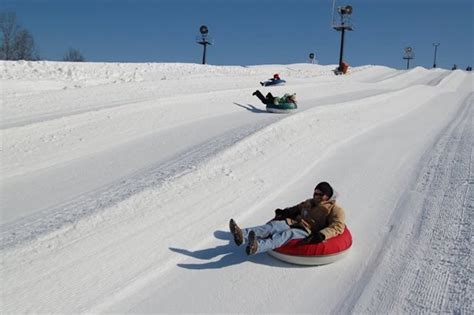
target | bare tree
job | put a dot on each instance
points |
(17, 42)
(8, 27)
(73, 55)
(24, 46)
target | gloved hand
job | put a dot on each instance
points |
(281, 214)
(315, 238)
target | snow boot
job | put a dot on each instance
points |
(236, 232)
(252, 245)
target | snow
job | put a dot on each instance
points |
(118, 182)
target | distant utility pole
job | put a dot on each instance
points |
(435, 50)
(204, 40)
(409, 54)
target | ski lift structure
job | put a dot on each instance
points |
(341, 24)
(204, 39)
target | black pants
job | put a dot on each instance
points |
(268, 100)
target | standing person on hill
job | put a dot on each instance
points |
(315, 220)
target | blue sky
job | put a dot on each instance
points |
(249, 32)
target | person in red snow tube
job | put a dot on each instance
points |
(276, 76)
(300, 253)
(313, 220)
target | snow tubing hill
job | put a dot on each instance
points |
(273, 82)
(295, 252)
(281, 108)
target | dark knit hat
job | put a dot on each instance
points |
(325, 188)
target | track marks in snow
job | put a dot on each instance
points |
(416, 76)
(155, 175)
(429, 263)
(74, 104)
(444, 233)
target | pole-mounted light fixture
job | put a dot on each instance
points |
(435, 50)
(409, 54)
(204, 39)
(343, 25)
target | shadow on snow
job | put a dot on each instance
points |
(231, 255)
(252, 108)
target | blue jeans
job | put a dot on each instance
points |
(274, 234)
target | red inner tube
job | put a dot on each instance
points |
(333, 245)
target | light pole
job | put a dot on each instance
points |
(344, 25)
(409, 54)
(435, 50)
(204, 40)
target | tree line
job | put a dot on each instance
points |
(18, 42)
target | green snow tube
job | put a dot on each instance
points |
(281, 108)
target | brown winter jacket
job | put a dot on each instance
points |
(325, 217)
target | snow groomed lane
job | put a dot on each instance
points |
(422, 264)
(438, 258)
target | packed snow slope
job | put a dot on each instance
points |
(118, 182)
